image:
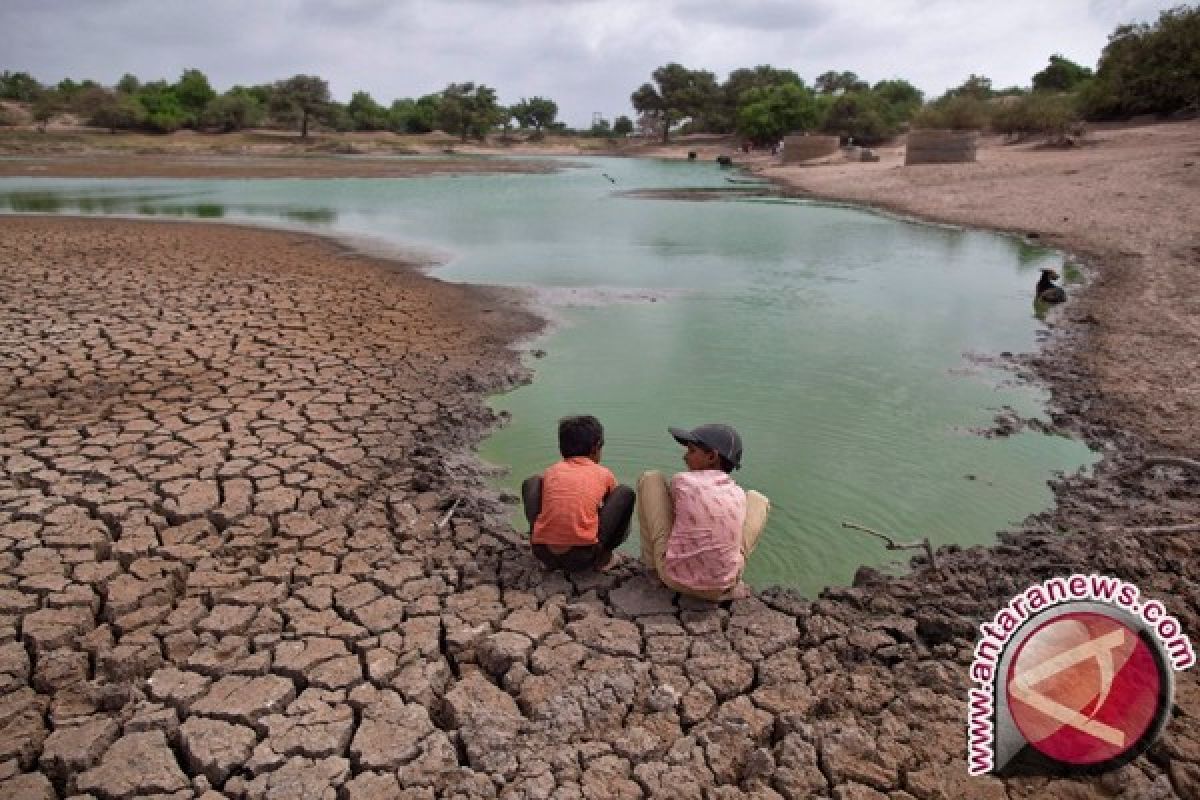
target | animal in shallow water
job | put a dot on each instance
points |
(1046, 291)
(611, 179)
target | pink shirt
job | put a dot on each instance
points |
(705, 547)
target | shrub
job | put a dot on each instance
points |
(232, 112)
(120, 112)
(958, 112)
(1050, 114)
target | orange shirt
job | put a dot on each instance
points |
(572, 492)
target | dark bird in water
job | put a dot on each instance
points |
(611, 179)
(1046, 291)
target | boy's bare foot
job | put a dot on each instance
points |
(739, 592)
(614, 559)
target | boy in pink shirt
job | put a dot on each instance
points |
(697, 534)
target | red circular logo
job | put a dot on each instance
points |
(1084, 688)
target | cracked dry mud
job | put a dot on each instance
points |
(225, 455)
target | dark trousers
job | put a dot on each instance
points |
(615, 514)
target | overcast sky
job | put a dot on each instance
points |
(587, 55)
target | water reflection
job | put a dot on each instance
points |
(151, 205)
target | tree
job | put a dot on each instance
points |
(365, 114)
(899, 100)
(163, 111)
(20, 86)
(680, 92)
(67, 89)
(602, 128)
(468, 110)
(1062, 75)
(723, 116)
(833, 82)
(1148, 68)
(129, 84)
(118, 112)
(193, 92)
(622, 126)
(45, 107)
(767, 114)
(233, 111)
(857, 115)
(536, 113)
(976, 86)
(303, 96)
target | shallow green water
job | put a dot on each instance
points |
(834, 339)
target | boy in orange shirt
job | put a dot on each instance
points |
(578, 514)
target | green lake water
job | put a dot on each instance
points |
(834, 339)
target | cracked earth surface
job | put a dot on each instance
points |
(228, 567)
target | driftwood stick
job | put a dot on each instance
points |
(446, 517)
(1160, 461)
(892, 544)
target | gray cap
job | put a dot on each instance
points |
(715, 436)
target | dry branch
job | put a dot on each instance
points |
(891, 543)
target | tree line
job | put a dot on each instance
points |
(464, 109)
(1145, 68)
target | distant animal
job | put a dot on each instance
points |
(611, 179)
(1046, 291)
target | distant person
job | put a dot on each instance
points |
(578, 514)
(1046, 291)
(698, 533)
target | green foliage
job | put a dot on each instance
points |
(622, 126)
(365, 114)
(19, 86)
(193, 92)
(302, 97)
(45, 107)
(677, 92)
(766, 114)
(721, 116)
(1148, 68)
(976, 87)
(67, 89)
(129, 84)
(898, 100)
(1062, 75)
(414, 116)
(118, 112)
(1051, 114)
(857, 115)
(954, 112)
(163, 111)
(832, 82)
(601, 127)
(536, 112)
(468, 110)
(233, 111)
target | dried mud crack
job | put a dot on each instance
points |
(224, 458)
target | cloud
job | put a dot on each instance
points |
(587, 55)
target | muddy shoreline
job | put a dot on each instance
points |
(284, 575)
